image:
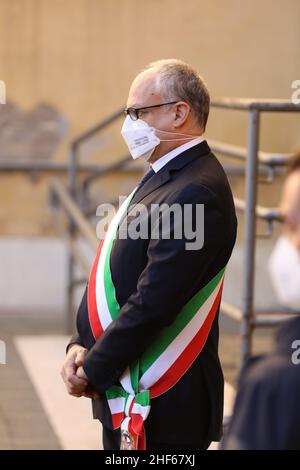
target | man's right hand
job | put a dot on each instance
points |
(75, 386)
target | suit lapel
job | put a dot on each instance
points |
(157, 180)
(163, 175)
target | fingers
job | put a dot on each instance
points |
(80, 357)
(77, 395)
(77, 381)
(74, 376)
(75, 385)
(81, 374)
(69, 366)
(91, 393)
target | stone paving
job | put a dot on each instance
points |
(23, 422)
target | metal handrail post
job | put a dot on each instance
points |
(72, 181)
(72, 170)
(250, 232)
(70, 293)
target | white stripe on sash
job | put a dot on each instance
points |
(102, 306)
(141, 410)
(125, 380)
(128, 404)
(116, 405)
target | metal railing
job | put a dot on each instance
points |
(79, 140)
(255, 162)
(253, 157)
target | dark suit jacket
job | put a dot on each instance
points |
(266, 413)
(154, 279)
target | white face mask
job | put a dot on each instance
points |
(284, 269)
(141, 138)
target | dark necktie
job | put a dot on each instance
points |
(144, 179)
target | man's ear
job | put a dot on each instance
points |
(182, 112)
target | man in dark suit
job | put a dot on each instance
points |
(155, 278)
(266, 413)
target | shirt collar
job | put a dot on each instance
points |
(162, 161)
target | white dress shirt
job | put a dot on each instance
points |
(162, 161)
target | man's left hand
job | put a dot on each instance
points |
(89, 392)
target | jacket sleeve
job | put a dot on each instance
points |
(74, 340)
(172, 273)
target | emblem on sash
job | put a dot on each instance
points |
(127, 442)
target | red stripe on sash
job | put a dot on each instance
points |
(117, 419)
(92, 303)
(136, 429)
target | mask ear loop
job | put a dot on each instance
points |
(188, 136)
(174, 140)
(176, 133)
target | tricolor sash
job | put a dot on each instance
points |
(168, 357)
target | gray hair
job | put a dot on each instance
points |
(176, 79)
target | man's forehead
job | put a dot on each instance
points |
(142, 89)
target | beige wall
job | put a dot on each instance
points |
(81, 55)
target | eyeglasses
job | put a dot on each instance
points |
(133, 113)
